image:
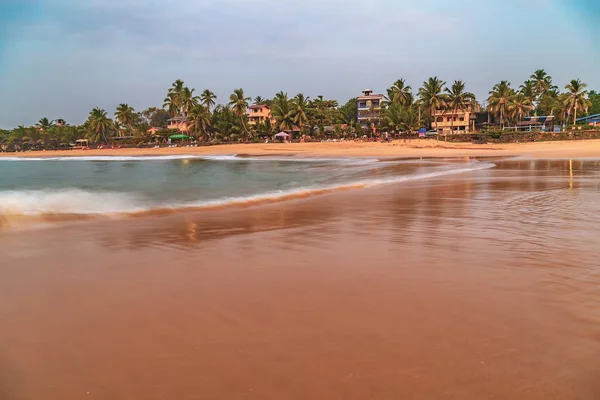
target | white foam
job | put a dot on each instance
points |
(78, 201)
(210, 157)
(66, 201)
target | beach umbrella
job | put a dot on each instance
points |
(282, 135)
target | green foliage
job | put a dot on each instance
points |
(349, 112)
(500, 97)
(155, 117)
(576, 98)
(594, 98)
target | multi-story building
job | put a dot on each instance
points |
(448, 122)
(259, 113)
(180, 123)
(369, 108)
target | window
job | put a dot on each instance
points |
(448, 119)
(461, 119)
(439, 119)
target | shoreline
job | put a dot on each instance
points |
(399, 148)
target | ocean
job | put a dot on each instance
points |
(105, 185)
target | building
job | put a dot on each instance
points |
(448, 122)
(369, 108)
(179, 123)
(592, 120)
(259, 113)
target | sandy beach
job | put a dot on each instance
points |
(398, 148)
(477, 285)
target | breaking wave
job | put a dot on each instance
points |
(81, 203)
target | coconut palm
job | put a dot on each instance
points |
(431, 96)
(125, 115)
(99, 125)
(394, 117)
(528, 90)
(188, 100)
(207, 98)
(200, 118)
(400, 93)
(301, 104)
(171, 104)
(576, 98)
(259, 100)
(411, 120)
(542, 82)
(519, 106)
(499, 98)
(457, 99)
(284, 112)
(173, 101)
(239, 105)
(44, 124)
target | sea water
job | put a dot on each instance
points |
(114, 184)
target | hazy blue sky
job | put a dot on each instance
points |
(60, 58)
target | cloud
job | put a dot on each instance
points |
(64, 57)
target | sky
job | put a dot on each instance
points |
(61, 58)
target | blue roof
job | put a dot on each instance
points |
(591, 118)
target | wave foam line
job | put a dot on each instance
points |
(77, 203)
(208, 157)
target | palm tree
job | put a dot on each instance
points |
(301, 104)
(207, 98)
(284, 112)
(171, 104)
(99, 124)
(457, 99)
(125, 115)
(239, 105)
(542, 82)
(44, 124)
(400, 93)
(576, 98)
(411, 120)
(528, 90)
(393, 116)
(432, 97)
(188, 100)
(259, 100)
(499, 98)
(173, 101)
(519, 106)
(201, 118)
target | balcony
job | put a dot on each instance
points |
(369, 115)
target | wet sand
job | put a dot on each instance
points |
(397, 148)
(475, 286)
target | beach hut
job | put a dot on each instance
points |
(81, 144)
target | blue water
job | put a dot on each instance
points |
(97, 185)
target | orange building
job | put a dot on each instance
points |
(259, 113)
(448, 122)
(180, 123)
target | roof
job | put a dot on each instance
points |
(589, 117)
(539, 118)
(259, 106)
(178, 119)
(371, 97)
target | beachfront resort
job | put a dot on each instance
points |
(437, 109)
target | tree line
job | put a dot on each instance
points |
(403, 110)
